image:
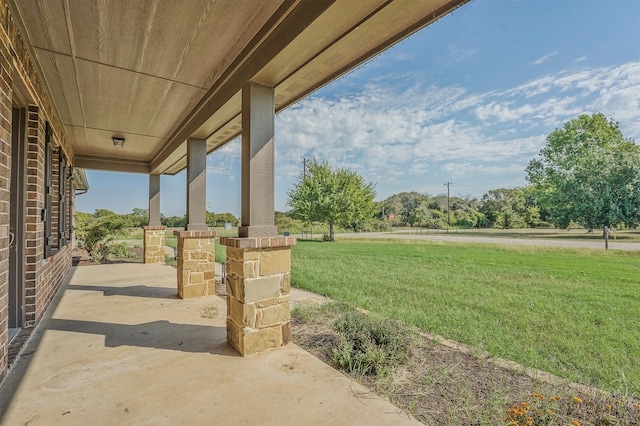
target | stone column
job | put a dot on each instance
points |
(196, 263)
(154, 239)
(258, 292)
(258, 112)
(154, 244)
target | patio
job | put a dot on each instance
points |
(117, 346)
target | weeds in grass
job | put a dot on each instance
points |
(440, 385)
(370, 346)
(579, 309)
(565, 407)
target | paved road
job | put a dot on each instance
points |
(613, 244)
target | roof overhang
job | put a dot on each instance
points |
(80, 182)
(159, 72)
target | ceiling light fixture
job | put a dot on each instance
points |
(118, 142)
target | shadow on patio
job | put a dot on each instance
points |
(118, 347)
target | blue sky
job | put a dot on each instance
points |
(470, 100)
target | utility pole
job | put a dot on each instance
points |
(448, 206)
(304, 167)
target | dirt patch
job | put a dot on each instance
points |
(441, 385)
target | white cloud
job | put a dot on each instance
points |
(395, 133)
(545, 58)
(466, 169)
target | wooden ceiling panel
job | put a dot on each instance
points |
(136, 147)
(228, 111)
(207, 41)
(48, 28)
(160, 71)
(338, 20)
(111, 32)
(78, 135)
(133, 103)
(60, 77)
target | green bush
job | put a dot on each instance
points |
(370, 346)
(95, 233)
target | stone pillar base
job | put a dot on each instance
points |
(196, 263)
(154, 244)
(258, 292)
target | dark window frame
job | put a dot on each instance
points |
(63, 236)
(48, 192)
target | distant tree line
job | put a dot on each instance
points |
(587, 174)
(140, 217)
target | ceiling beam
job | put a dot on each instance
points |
(110, 164)
(285, 25)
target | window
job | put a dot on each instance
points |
(57, 211)
(63, 234)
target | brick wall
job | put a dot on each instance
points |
(43, 276)
(5, 176)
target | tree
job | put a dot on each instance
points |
(173, 221)
(95, 233)
(415, 212)
(588, 173)
(510, 208)
(336, 196)
(220, 219)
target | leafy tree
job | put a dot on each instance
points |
(415, 211)
(137, 218)
(173, 221)
(505, 207)
(95, 233)
(336, 196)
(220, 219)
(588, 173)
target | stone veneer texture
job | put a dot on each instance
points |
(258, 292)
(196, 263)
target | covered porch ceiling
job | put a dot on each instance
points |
(156, 72)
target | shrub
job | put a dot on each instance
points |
(94, 233)
(370, 346)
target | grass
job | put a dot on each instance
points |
(573, 313)
(440, 385)
(134, 237)
(578, 234)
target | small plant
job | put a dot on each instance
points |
(571, 409)
(104, 249)
(370, 346)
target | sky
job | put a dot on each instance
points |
(468, 100)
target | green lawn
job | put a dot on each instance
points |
(574, 313)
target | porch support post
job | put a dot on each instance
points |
(154, 237)
(258, 113)
(259, 262)
(196, 244)
(154, 200)
(196, 185)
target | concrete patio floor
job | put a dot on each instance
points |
(119, 347)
